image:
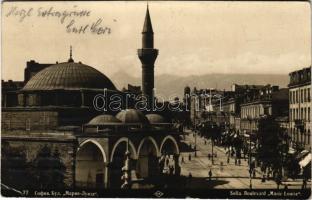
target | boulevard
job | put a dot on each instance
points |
(224, 175)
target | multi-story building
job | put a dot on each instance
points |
(229, 112)
(201, 104)
(300, 107)
(10, 88)
(231, 104)
(269, 101)
(32, 68)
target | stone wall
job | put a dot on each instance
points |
(32, 146)
(29, 120)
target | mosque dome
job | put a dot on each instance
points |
(132, 116)
(155, 118)
(69, 76)
(104, 119)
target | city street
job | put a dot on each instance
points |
(224, 175)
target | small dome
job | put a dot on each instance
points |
(155, 118)
(104, 119)
(69, 76)
(132, 116)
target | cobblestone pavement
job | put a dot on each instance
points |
(225, 175)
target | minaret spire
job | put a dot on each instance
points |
(147, 27)
(148, 55)
(70, 55)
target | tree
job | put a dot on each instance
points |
(15, 169)
(49, 169)
(270, 143)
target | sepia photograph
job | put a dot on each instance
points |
(156, 99)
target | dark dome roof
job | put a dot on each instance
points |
(155, 118)
(132, 116)
(104, 119)
(69, 75)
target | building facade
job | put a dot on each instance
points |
(266, 101)
(300, 107)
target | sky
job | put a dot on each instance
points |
(193, 38)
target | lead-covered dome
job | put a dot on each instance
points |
(132, 116)
(104, 119)
(155, 118)
(69, 76)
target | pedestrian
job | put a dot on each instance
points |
(278, 183)
(171, 169)
(263, 178)
(235, 161)
(304, 183)
(210, 174)
(239, 162)
(228, 160)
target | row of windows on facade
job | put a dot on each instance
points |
(299, 96)
(255, 111)
(301, 75)
(296, 113)
(303, 138)
(249, 125)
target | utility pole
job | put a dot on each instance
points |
(195, 133)
(212, 143)
(250, 170)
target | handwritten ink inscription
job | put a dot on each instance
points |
(70, 18)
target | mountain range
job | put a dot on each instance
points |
(173, 85)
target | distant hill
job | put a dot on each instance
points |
(173, 85)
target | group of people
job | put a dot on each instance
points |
(167, 164)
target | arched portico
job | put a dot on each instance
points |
(147, 162)
(91, 170)
(117, 160)
(125, 142)
(153, 142)
(169, 144)
(169, 161)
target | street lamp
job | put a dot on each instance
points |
(284, 150)
(250, 170)
(212, 142)
(195, 142)
(195, 154)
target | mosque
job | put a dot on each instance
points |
(54, 109)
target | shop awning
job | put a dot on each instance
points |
(305, 160)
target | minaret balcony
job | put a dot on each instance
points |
(147, 51)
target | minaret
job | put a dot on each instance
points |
(148, 56)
